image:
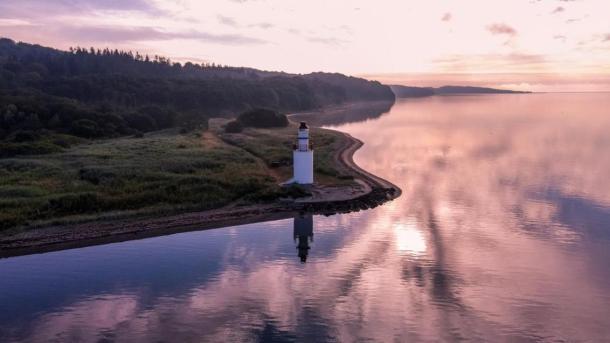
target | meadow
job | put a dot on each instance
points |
(159, 173)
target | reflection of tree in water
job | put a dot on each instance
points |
(303, 234)
(351, 113)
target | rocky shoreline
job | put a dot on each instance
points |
(371, 192)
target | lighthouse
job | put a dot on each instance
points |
(302, 157)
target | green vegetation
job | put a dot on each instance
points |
(259, 117)
(93, 93)
(273, 146)
(161, 172)
(234, 126)
(418, 92)
(91, 134)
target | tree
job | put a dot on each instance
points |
(263, 118)
(85, 128)
(234, 126)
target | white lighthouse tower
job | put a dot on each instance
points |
(303, 157)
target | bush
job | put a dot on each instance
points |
(263, 118)
(96, 176)
(296, 191)
(164, 118)
(85, 128)
(32, 148)
(234, 126)
(141, 121)
(74, 203)
(26, 136)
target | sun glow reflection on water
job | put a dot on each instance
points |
(409, 239)
(502, 233)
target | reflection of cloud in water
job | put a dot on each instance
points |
(582, 215)
(409, 239)
(492, 237)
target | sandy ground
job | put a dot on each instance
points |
(92, 233)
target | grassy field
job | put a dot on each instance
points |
(160, 173)
(274, 147)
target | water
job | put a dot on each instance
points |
(502, 233)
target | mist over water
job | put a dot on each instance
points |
(502, 233)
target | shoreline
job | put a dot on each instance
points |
(342, 199)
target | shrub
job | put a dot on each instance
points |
(62, 142)
(263, 118)
(96, 176)
(26, 136)
(141, 121)
(32, 148)
(234, 126)
(74, 203)
(296, 191)
(164, 118)
(85, 128)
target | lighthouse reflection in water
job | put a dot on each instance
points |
(303, 234)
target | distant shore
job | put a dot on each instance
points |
(366, 191)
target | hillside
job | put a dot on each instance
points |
(91, 93)
(415, 92)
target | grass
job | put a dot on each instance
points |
(274, 147)
(160, 173)
(45, 144)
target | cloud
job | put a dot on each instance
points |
(233, 23)
(14, 22)
(560, 37)
(263, 25)
(154, 34)
(516, 62)
(446, 17)
(327, 41)
(501, 29)
(227, 21)
(44, 8)
(122, 34)
(559, 9)
(606, 37)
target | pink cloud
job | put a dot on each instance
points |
(501, 29)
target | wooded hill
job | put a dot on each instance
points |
(106, 93)
(417, 92)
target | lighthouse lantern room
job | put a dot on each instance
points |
(303, 157)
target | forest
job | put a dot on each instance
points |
(50, 98)
(419, 92)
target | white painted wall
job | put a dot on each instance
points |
(303, 167)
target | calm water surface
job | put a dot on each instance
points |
(502, 233)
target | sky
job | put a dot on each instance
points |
(539, 45)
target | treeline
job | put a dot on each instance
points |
(104, 93)
(418, 92)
